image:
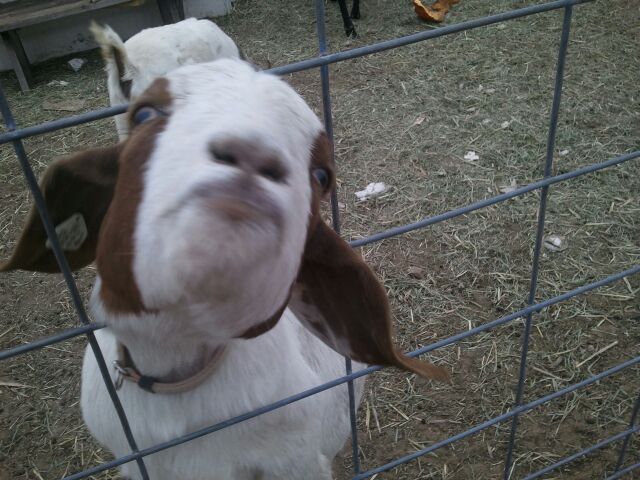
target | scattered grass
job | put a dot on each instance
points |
(488, 90)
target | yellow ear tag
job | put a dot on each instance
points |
(71, 233)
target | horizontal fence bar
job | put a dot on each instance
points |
(582, 453)
(392, 232)
(313, 63)
(46, 341)
(60, 123)
(624, 471)
(294, 398)
(421, 36)
(498, 419)
(526, 311)
(74, 332)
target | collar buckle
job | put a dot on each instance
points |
(121, 373)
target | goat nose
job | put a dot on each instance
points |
(250, 157)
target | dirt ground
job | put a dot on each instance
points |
(408, 117)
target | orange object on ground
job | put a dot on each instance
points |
(434, 12)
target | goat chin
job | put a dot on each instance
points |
(214, 260)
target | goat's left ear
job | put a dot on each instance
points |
(341, 301)
(77, 190)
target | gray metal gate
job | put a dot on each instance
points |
(15, 136)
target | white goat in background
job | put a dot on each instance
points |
(132, 65)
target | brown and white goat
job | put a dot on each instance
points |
(212, 257)
(153, 52)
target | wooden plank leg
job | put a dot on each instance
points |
(171, 11)
(179, 9)
(19, 59)
(165, 12)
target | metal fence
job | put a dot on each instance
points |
(15, 135)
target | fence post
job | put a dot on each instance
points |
(555, 109)
(335, 210)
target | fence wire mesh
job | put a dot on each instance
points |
(14, 135)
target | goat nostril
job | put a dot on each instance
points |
(224, 157)
(251, 158)
(274, 172)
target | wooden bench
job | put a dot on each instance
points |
(16, 14)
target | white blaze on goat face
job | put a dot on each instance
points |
(218, 233)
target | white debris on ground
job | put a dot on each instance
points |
(508, 188)
(55, 83)
(555, 243)
(471, 156)
(372, 190)
(77, 63)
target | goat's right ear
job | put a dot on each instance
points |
(77, 191)
(340, 300)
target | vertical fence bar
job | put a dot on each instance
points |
(627, 438)
(555, 109)
(335, 211)
(38, 198)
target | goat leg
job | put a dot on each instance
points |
(349, 29)
(355, 9)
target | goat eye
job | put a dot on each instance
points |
(144, 114)
(321, 176)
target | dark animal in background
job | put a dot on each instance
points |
(349, 29)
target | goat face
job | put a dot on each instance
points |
(221, 157)
(210, 210)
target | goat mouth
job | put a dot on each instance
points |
(238, 203)
(235, 210)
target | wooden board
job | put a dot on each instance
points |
(22, 13)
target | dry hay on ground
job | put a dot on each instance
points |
(407, 117)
